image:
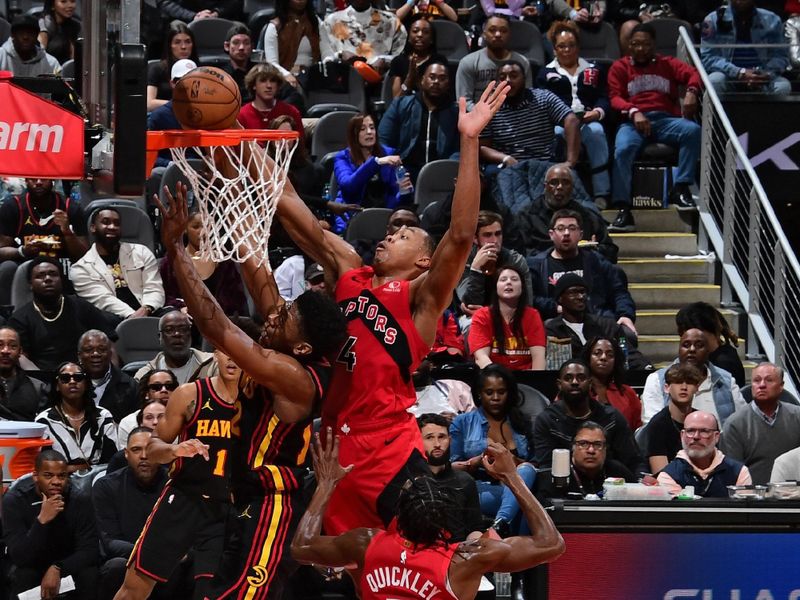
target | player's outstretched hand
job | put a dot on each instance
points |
(174, 216)
(326, 459)
(191, 448)
(472, 123)
(498, 461)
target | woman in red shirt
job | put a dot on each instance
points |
(508, 331)
(607, 367)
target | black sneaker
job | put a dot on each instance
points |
(681, 197)
(624, 222)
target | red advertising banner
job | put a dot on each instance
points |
(37, 138)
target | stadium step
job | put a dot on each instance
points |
(660, 348)
(662, 270)
(662, 321)
(672, 295)
(644, 244)
(664, 220)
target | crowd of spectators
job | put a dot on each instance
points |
(541, 290)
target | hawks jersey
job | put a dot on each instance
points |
(271, 454)
(211, 424)
(394, 570)
(371, 382)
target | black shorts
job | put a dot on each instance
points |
(180, 522)
(257, 564)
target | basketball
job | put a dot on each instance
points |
(206, 98)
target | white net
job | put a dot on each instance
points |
(237, 194)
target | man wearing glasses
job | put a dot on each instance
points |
(590, 466)
(530, 229)
(700, 464)
(177, 355)
(608, 286)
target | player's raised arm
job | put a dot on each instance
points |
(334, 254)
(280, 373)
(434, 291)
(309, 546)
(516, 553)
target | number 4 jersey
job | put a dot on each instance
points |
(211, 423)
(372, 375)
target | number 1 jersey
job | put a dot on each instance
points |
(211, 424)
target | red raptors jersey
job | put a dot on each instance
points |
(371, 383)
(393, 570)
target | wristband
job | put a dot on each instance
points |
(21, 250)
(505, 159)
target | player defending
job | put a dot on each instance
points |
(192, 509)
(392, 310)
(413, 558)
(283, 384)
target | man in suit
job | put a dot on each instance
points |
(114, 390)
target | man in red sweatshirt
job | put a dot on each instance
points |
(644, 88)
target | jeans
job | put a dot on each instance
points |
(499, 502)
(778, 85)
(594, 140)
(664, 128)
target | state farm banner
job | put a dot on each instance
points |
(38, 138)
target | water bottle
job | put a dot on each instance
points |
(401, 173)
(623, 344)
(326, 192)
(502, 585)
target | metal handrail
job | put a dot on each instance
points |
(771, 334)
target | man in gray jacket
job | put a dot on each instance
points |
(21, 53)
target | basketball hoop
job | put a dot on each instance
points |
(237, 189)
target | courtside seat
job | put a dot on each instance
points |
(209, 35)
(138, 339)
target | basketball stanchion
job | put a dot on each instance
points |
(238, 187)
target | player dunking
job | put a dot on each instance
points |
(192, 510)
(392, 310)
(282, 386)
(413, 559)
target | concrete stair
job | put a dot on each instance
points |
(647, 244)
(672, 295)
(662, 270)
(661, 286)
(661, 321)
(660, 348)
(667, 220)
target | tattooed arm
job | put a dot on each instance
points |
(281, 373)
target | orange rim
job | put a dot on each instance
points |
(178, 138)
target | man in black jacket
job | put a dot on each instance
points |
(608, 296)
(531, 227)
(114, 390)
(122, 501)
(20, 396)
(50, 532)
(579, 325)
(589, 469)
(435, 430)
(556, 425)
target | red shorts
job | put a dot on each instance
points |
(384, 460)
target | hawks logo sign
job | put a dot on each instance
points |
(38, 138)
